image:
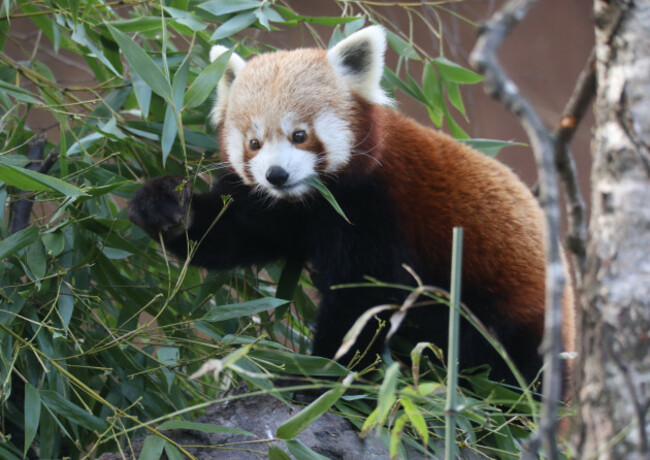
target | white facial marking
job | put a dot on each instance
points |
(336, 137)
(300, 165)
(287, 123)
(258, 130)
(235, 150)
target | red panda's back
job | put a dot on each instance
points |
(437, 184)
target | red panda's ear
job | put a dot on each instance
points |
(359, 61)
(235, 65)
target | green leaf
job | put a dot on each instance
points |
(394, 80)
(452, 72)
(386, 396)
(170, 125)
(172, 452)
(32, 414)
(19, 93)
(416, 418)
(36, 259)
(206, 81)
(329, 21)
(401, 46)
(142, 64)
(5, 453)
(224, 312)
(490, 147)
(296, 424)
(54, 243)
(454, 128)
(26, 179)
(142, 93)
(453, 92)
(152, 448)
(221, 7)
(139, 24)
(169, 132)
(322, 20)
(431, 87)
(275, 453)
(169, 357)
(186, 18)
(4, 29)
(234, 25)
(70, 411)
(202, 427)
(315, 182)
(352, 27)
(17, 241)
(302, 452)
(295, 363)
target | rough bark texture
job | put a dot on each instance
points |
(615, 340)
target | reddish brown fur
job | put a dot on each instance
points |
(439, 183)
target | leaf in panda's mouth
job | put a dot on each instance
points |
(315, 182)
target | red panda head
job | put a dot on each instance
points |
(289, 115)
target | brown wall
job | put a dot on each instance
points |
(544, 55)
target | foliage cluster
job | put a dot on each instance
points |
(99, 328)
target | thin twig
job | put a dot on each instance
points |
(21, 208)
(502, 88)
(580, 101)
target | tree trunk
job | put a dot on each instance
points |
(615, 340)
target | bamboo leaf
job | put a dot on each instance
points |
(206, 81)
(70, 411)
(202, 427)
(490, 147)
(395, 437)
(221, 7)
(296, 424)
(224, 312)
(452, 72)
(453, 93)
(302, 452)
(172, 452)
(401, 46)
(36, 258)
(26, 179)
(32, 414)
(316, 183)
(386, 396)
(416, 418)
(17, 241)
(152, 448)
(275, 453)
(142, 64)
(234, 25)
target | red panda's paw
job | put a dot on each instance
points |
(162, 206)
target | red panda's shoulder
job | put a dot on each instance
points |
(437, 183)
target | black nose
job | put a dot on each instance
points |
(277, 175)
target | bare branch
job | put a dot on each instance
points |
(500, 87)
(580, 101)
(21, 208)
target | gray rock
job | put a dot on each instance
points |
(330, 435)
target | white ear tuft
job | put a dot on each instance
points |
(359, 61)
(235, 65)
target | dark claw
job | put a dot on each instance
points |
(160, 206)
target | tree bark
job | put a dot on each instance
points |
(615, 318)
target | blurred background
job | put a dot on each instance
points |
(544, 55)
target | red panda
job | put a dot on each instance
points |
(286, 116)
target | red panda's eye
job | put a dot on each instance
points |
(254, 144)
(298, 137)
